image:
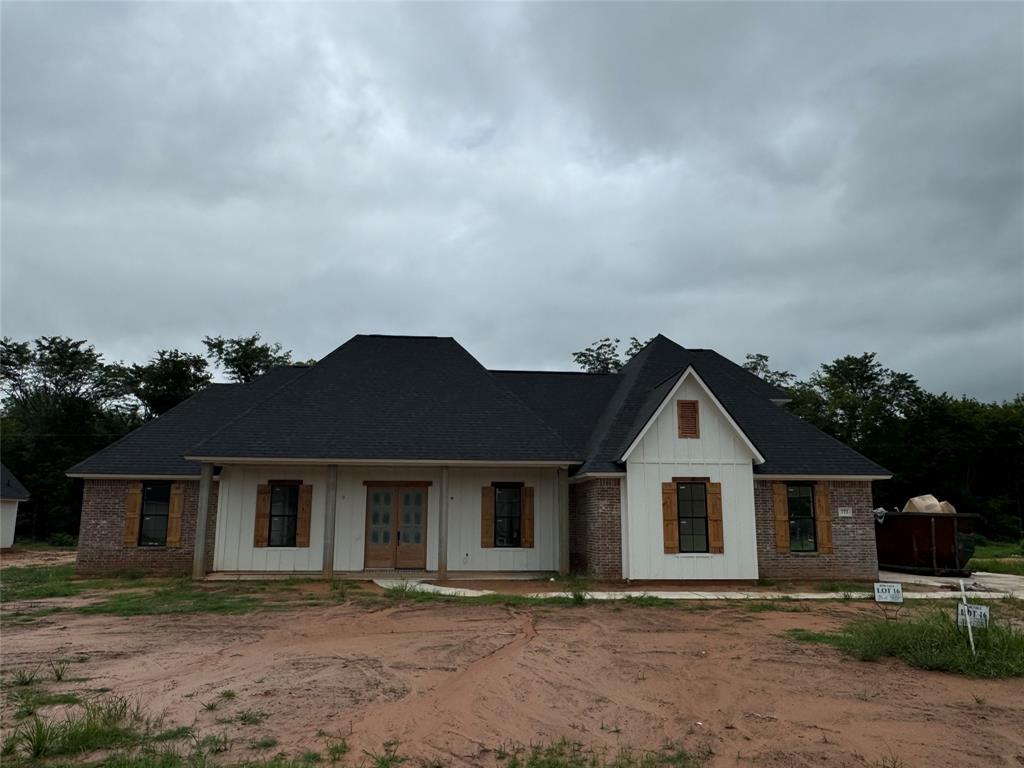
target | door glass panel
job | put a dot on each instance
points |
(380, 518)
(412, 518)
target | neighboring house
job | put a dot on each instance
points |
(12, 492)
(398, 452)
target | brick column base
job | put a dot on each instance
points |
(595, 528)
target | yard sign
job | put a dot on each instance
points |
(974, 615)
(887, 595)
(888, 592)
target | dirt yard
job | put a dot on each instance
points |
(457, 682)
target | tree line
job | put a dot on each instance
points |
(968, 452)
(62, 402)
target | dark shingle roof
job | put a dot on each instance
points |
(569, 402)
(790, 445)
(11, 488)
(426, 398)
(392, 397)
(158, 447)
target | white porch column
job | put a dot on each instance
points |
(442, 523)
(202, 513)
(330, 510)
(563, 520)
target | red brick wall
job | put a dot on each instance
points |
(853, 538)
(100, 547)
(595, 528)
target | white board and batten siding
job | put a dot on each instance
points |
(236, 521)
(236, 518)
(719, 454)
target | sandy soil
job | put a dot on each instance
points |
(19, 556)
(456, 682)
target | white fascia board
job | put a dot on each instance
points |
(225, 460)
(595, 475)
(122, 476)
(823, 477)
(689, 372)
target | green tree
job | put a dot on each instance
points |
(61, 403)
(246, 357)
(167, 379)
(603, 355)
(757, 364)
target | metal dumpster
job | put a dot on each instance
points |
(922, 542)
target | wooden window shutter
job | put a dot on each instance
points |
(305, 515)
(688, 416)
(716, 532)
(823, 518)
(487, 517)
(670, 518)
(261, 531)
(780, 502)
(526, 524)
(132, 515)
(174, 511)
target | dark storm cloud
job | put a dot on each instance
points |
(802, 180)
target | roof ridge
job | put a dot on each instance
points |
(556, 373)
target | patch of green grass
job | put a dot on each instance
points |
(846, 587)
(182, 597)
(29, 700)
(309, 757)
(264, 742)
(988, 549)
(174, 734)
(37, 582)
(567, 754)
(1010, 565)
(930, 641)
(648, 601)
(227, 694)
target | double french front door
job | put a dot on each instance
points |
(396, 526)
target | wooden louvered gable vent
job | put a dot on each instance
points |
(688, 417)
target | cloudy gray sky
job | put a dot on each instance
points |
(804, 180)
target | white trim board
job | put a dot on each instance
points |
(822, 477)
(690, 372)
(264, 461)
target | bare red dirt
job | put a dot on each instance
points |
(456, 682)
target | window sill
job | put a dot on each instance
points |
(699, 555)
(804, 554)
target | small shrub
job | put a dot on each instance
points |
(251, 717)
(24, 676)
(389, 758)
(214, 743)
(310, 757)
(579, 597)
(62, 540)
(210, 706)
(38, 737)
(227, 694)
(337, 749)
(58, 669)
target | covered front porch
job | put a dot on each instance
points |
(375, 519)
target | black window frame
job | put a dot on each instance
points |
(292, 514)
(680, 517)
(515, 536)
(143, 514)
(813, 519)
